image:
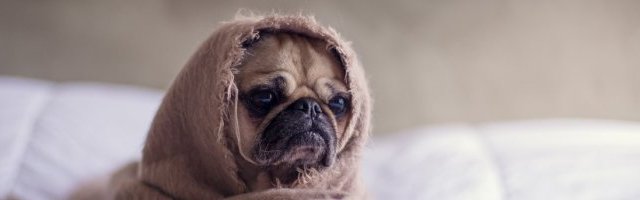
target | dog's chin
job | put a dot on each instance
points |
(302, 150)
(296, 140)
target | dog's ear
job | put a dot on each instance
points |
(339, 57)
(258, 36)
(246, 44)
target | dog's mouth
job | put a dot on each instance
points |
(299, 139)
(305, 149)
(302, 150)
(286, 157)
(296, 141)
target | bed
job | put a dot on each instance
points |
(55, 137)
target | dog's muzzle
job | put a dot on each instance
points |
(300, 135)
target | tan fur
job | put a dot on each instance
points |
(308, 68)
(195, 145)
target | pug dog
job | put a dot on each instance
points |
(295, 105)
(273, 107)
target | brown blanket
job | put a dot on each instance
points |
(191, 151)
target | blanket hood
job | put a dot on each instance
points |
(189, 151)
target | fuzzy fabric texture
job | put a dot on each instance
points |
(191, 151)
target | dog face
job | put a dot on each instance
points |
(294, 103)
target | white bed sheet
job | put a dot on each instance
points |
(56, 137)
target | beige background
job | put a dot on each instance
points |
(428, 61)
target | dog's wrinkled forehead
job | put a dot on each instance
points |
(293, 60)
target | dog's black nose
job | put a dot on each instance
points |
(307, 105)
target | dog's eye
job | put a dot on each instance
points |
(260, 101)
(263, 99)
(338, 105)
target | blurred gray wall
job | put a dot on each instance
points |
(428, 61)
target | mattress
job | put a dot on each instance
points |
(56, 137)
